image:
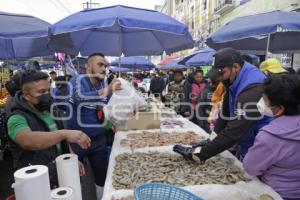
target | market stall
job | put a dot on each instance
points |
(144, 156)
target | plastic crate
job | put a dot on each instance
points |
(159, 191)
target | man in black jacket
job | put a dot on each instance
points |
(34, 135)
(242, 120)
(157, 85)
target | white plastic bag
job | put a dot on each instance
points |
(123, 103)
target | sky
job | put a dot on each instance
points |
(55, 10)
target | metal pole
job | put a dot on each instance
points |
(268, 46)
(119, 66)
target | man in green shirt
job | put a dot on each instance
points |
(34, 135)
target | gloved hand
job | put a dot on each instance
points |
(186, 152)
(200, 144)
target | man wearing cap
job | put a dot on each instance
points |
(240, 119)
(272, 66)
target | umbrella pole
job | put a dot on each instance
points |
(119, 66)
(78, 66)
(268, 47)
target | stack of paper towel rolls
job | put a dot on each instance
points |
(68, 173)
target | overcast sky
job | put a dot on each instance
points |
(54, 10)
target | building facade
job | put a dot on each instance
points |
(203, 17)
(226, 10)
(206, 16)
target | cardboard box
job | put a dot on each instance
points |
(148, 119)
(142, 121)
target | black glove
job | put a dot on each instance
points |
(186, 152)
(200, 144)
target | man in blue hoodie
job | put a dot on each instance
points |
(240, 120)
(88, 93)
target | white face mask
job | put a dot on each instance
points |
(264, 109)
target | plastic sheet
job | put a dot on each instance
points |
(122, 104)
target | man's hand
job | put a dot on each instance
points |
(186, 152)
(81, 168)
(189, 152)
(77, 137)
(186, 114)
(113, 86)
(202, 143)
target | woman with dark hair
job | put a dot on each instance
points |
(275, 156)
(195, 90)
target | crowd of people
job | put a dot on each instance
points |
(254, 111)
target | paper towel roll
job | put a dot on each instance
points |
(32, 183)
(62, 193)
(68, 173)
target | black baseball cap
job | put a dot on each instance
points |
(226, 57)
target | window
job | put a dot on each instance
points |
(204, 4)
(192, 17)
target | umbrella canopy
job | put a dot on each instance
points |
(130, 69)
(173, 65)
(250, 33)
(139, 62)
(167, 60)
(119, 29)
(16, 66)
(118, 69)
(22, 36)
(199, 58)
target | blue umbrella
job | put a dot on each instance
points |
(199, 58)
(22, 36)
(128, 69)
(173, 65)
(133, 62)
(278, 32)
(16, 66)
(117, 69)
(119, 29)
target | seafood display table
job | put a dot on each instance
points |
(249, 188)
(178, 122)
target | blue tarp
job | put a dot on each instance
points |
(22, 36)
(250, 33)
(119, 29)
